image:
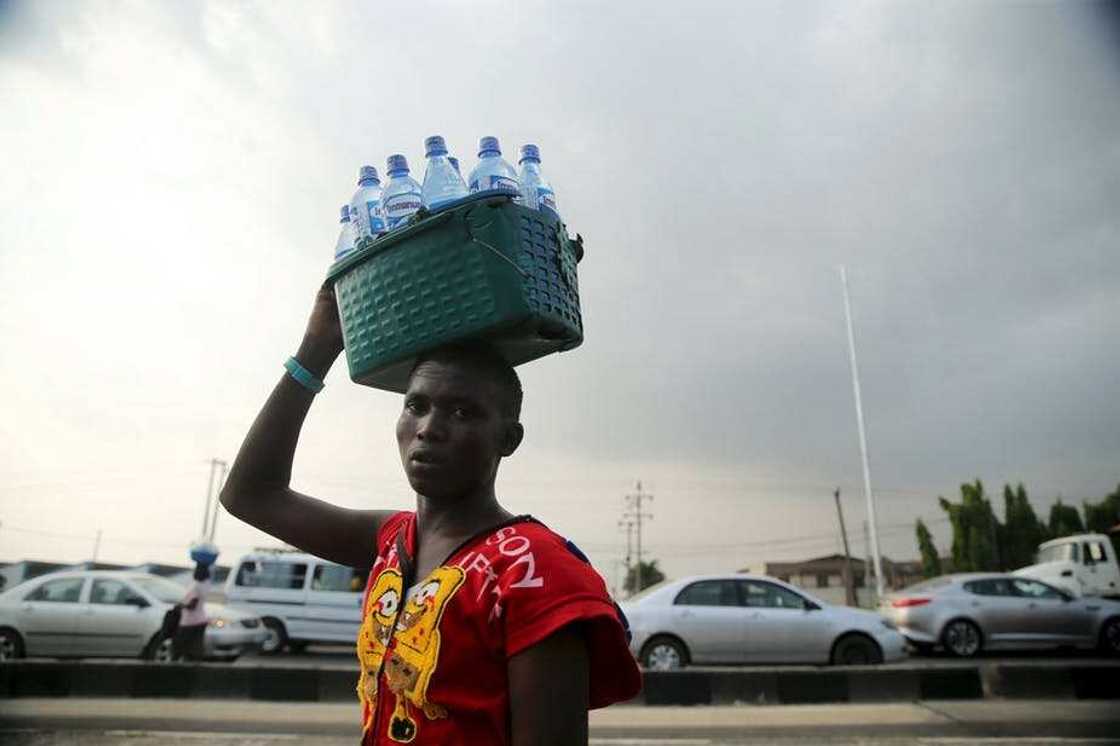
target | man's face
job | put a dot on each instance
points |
(451, 433)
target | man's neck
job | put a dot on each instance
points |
(458, 518)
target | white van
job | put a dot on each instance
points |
(1083, 564)
(300, 598)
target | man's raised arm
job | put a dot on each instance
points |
(258, 489)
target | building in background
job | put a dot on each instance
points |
(824, 576)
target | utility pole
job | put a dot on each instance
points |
(628, 525)
(862, 440)
(217, 502)
(96, 546)
(207, 528)
(634, 512)
(849, 589)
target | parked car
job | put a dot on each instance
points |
(740, 618)
(970, 612)
(95, 613)
(300, 598)
(1083, 564)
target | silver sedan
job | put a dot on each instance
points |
(93, 613)
(970, 612)
(752, 619)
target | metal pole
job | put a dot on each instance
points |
(863, 441)
(217, 502)
(209, 495)
(96, 546)
(849, 588)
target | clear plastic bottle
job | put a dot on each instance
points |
(401, 196)
(366, 215)
(455, 164)
(536, 192)
(345, 243)
(492, 171)
(442, 183)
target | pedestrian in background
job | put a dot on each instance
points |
(187, 643)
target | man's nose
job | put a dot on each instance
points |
(431, 427)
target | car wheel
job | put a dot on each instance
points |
(159, 649)
(1110, 636)
(856, 650)
(11, 645)
(664, 654)
(962, 638)
(277, 636)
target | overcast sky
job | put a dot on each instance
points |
(171, 180)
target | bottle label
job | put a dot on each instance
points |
(546, 200)
(374, 220)
(399, 207)
(494, 181)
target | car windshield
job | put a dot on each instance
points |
(163, 589)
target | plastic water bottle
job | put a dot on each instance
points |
(535, 191)
(402, 196)
(492, 171)
(442, 183)
(365, 206)
(345, 243)
(455, 164)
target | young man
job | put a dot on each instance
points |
(188, 641)
(479, 627)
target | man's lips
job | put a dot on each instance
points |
(425, 457)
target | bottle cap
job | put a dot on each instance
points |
(434, 145)
(454, 162)
(396, 164)
(368, 173)
(344, 213)
(488, 145)
(530, 153)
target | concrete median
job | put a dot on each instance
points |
(698, 686)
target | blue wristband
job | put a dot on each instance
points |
(303, 376)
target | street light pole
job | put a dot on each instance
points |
(863, 441)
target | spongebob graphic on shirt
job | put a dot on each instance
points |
(412, 647)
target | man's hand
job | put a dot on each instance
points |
(322, 341)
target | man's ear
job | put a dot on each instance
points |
(511, 438)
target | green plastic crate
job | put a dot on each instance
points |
(484, 268)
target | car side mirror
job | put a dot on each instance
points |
(137, 602)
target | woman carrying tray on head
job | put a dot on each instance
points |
(479, 626)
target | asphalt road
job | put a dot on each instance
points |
(99, 722)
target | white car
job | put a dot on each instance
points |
(737, 619)
(93, 613)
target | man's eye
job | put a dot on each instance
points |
(412, 405)
(462, 413)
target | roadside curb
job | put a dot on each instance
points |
(763, 686)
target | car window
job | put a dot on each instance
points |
(760, 594)
(708, 593)
(1060, 552)
(1034, 589)
(287, 575)
(63, 590)
(112, 592)
(163, 589)
(337, 578)
(1094, 552)
(990, 587)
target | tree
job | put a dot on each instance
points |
(1100, 517)
(931, 562)
(976, 530)
(1022, 531)
(1064, 520)
(651, 575)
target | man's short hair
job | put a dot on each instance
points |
(482, 358)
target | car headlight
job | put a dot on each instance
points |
(217, 623)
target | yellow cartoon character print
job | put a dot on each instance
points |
(415, 653)
(373, 638)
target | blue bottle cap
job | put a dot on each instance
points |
(344, 213)
(454, 162)
(530, 153)
(396, 164)
(368, 173)
(488, 145)
(434, 145)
